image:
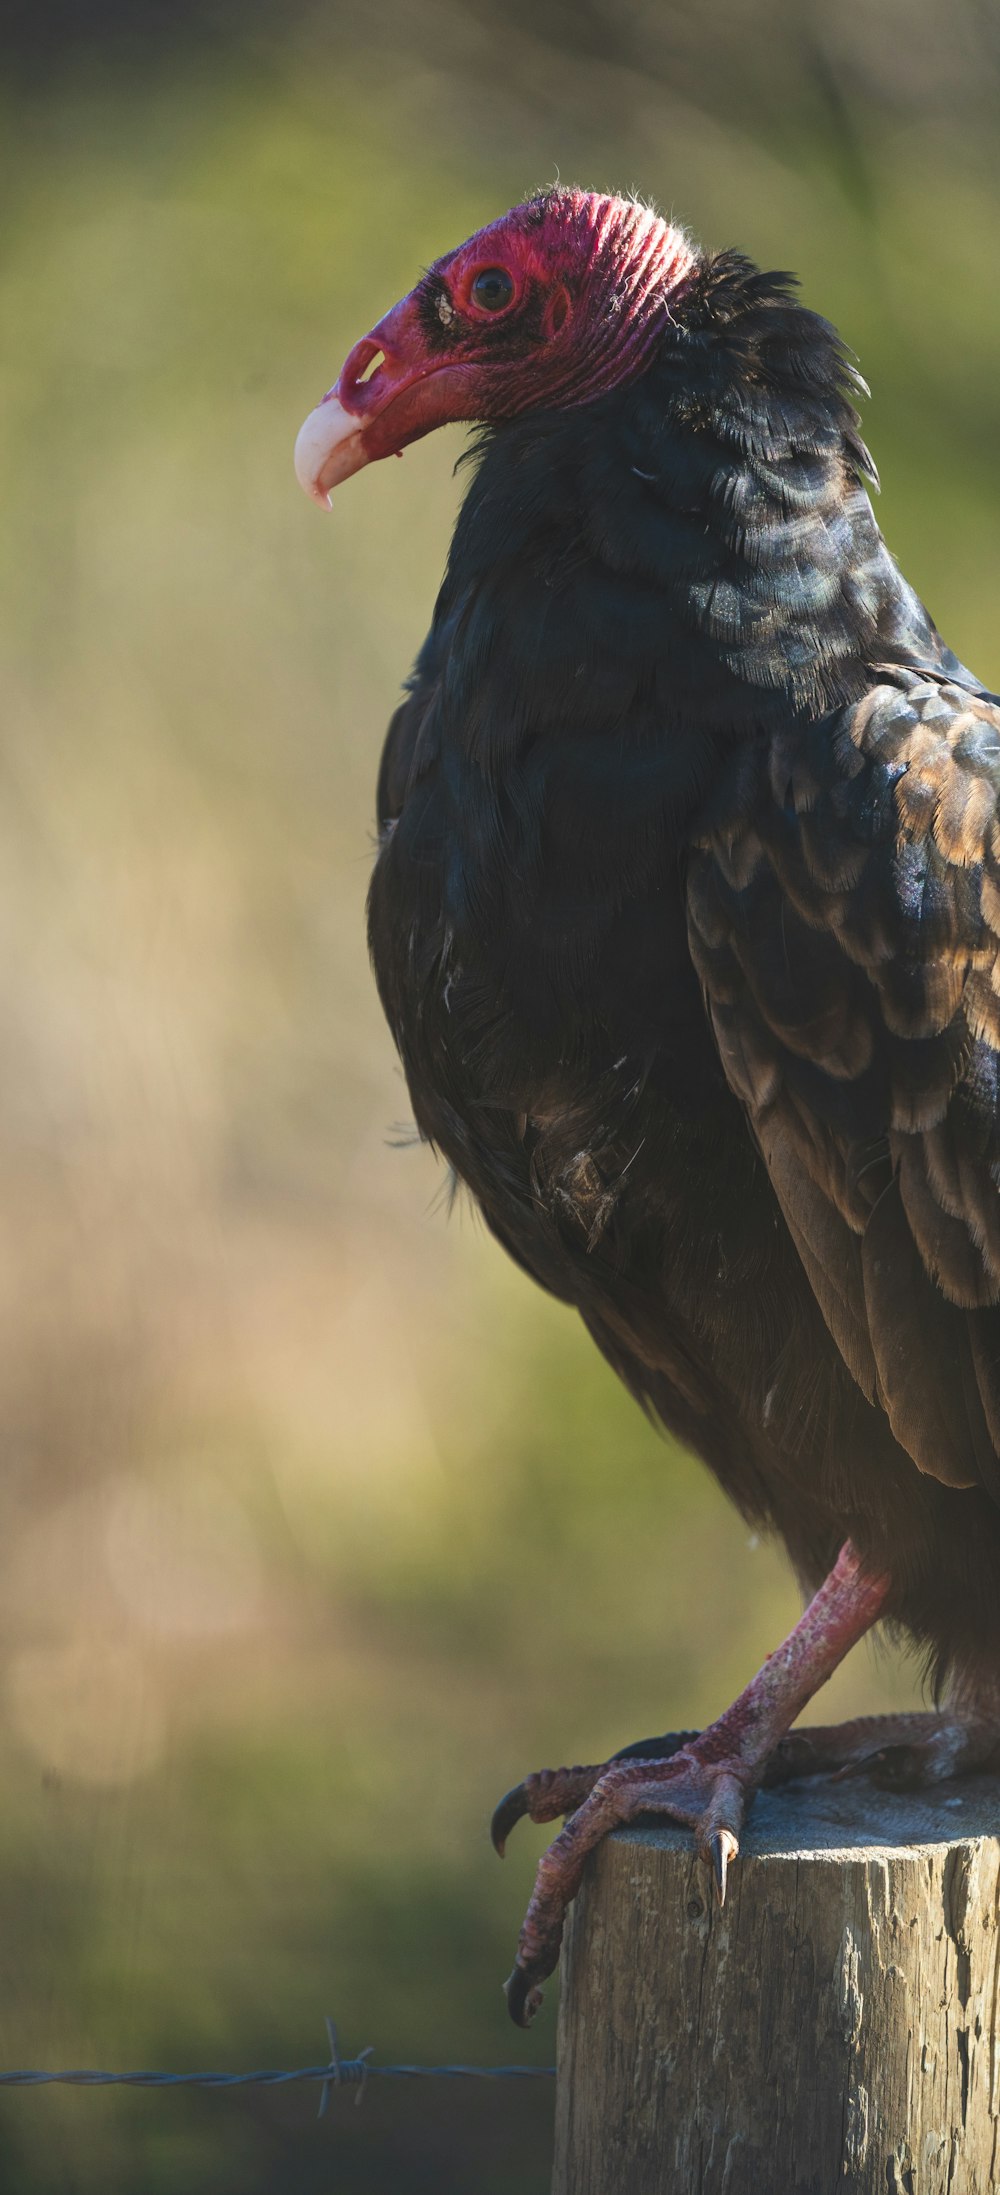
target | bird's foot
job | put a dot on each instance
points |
(683, 1776)
(706, 1780)
(703, 1784)
(899, 1752)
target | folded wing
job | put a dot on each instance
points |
(844, 917)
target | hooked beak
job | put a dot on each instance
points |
(328, 449)
(329, 445)
(390, 392)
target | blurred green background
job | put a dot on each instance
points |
(317, 1525)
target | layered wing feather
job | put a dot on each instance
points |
(844, 917)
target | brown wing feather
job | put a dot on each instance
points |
(844, 917)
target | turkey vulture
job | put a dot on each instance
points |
(685, 918)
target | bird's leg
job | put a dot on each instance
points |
(708, 1782)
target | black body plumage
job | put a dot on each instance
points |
(685, 919)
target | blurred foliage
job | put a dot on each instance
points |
(318, 1524)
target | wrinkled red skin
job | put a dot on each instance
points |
(592, 279)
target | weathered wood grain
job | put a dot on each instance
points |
(834, 2029)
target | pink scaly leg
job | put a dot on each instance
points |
(708, 1782)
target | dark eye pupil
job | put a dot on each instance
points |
(493, 289)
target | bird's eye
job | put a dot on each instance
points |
(492, 289)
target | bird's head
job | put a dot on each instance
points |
(559, 301)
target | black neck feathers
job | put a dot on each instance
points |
(683, 554)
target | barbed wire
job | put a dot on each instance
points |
(337, 2072)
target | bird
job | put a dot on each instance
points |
(685, 918)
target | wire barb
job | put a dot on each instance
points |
(324, 2094)
(362, 2061)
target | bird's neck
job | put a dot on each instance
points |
(685, 556)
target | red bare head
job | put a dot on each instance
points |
(558, 301)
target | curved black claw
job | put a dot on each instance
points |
(891, 1767)
(511, 1809)
(875, 1764)
(523, 1997)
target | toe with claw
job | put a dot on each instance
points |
(724, 1847)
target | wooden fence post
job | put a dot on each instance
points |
(833, 2032)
